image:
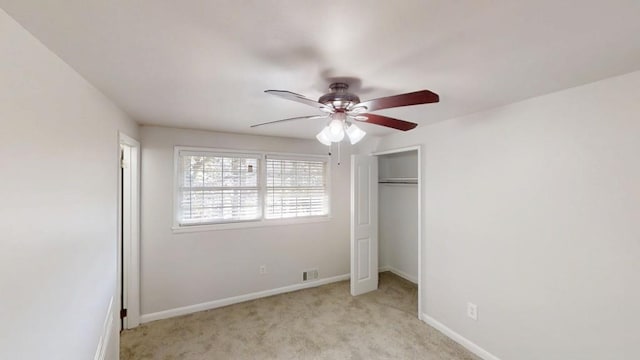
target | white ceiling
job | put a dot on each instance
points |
(204, 64)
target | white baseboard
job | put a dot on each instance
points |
(238, 299)
(402, 274)
(105, 338)
(482, 353)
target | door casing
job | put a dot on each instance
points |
(128, 277)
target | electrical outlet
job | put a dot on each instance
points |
(263, 269)
(472, 311)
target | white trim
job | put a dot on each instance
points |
(127, 140)
(204, 149)
(468, 344)
(400, 273)
(394, 151)
(105, 338)
(420, 284)
(238, 299)
(295, 156)
(217, 153)
(131, 241)
(250, 224)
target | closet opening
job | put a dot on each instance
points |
(398, 226)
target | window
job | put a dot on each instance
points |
(295, 188)
(216, 187)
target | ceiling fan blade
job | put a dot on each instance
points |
(299, 98)
(412, 98)
(387, 121)
(310, 117)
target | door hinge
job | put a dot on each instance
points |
(123, 313)
(123, 162)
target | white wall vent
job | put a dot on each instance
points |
(308, 275)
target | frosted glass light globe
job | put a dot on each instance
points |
(355, 134)
(336, 130)
(323, 137)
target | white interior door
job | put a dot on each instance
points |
(364, 224)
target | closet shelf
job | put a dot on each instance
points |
(398, 181)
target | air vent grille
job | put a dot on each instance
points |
(309, 275)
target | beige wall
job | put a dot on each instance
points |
(187, 269)
(532, 212)
(58, 218)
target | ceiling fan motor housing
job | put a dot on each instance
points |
(339, 98)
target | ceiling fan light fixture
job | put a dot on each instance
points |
(323, 138)
(358, 109)
(355, 134)
(335, 130)
(327, 109)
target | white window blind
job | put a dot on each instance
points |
(295, 187)
(217, 187)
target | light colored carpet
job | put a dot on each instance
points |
(319, 323)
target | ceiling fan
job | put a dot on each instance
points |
(343, 108)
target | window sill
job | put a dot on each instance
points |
(249, 224)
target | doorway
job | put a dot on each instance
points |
(128, 276)
(386, 204)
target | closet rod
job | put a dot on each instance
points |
(399, 182)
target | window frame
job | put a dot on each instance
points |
(177, 227)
